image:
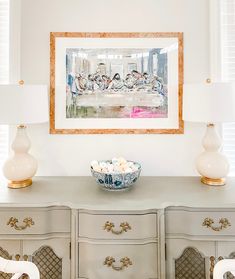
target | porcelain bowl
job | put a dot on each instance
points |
(116, 181)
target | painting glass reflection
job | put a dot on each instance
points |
(116, 83)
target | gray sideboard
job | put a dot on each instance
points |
(164, 227)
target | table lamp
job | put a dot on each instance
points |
(210, 103)
(20, 105)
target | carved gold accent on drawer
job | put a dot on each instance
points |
(125, 262)
(28, 222)
(124, 227)
(224, 223)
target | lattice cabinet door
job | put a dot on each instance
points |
(9, 250)
(188, 259)
(52, 257)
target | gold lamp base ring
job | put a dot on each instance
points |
(213, 181)
(20, 184)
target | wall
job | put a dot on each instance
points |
(71, 154)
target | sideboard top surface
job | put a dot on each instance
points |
(147, 193)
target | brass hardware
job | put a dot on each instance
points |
(213, 181)
(208, 80)
(220, 258)
(17, 257)
(21, 126)
(109, 226)
(125, 262)
(224, 223)
(21, 82)
(20, 184)
(210, 125)
(212, 265)
(25, 257)
(28, 222)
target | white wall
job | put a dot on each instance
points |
(71, 154)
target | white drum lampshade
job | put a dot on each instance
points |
(21, 105)
(210, 103)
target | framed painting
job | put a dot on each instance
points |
(116, 83)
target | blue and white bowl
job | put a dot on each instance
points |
(116, 181)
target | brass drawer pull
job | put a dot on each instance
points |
(109, 227)
(224, 223)
(28, 222)
(125, 262)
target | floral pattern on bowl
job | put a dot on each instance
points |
(116, 181)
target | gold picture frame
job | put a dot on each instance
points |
(59, 128)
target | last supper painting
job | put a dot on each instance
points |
(116, 83)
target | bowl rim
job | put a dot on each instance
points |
(115, 173)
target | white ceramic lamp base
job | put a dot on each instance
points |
(21, 167)
(212, 165)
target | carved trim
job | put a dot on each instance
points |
(212, 265)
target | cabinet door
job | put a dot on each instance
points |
(186, 259)
(52, 257)
(9, 250)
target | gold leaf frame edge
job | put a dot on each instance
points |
(54, 35)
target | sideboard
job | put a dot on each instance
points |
(164, 227)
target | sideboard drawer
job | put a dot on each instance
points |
(117, 261)
(200, 222)
(34, 220)
(117, 226)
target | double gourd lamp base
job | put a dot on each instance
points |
(210, 103)
(21, 167)
(27, 104)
